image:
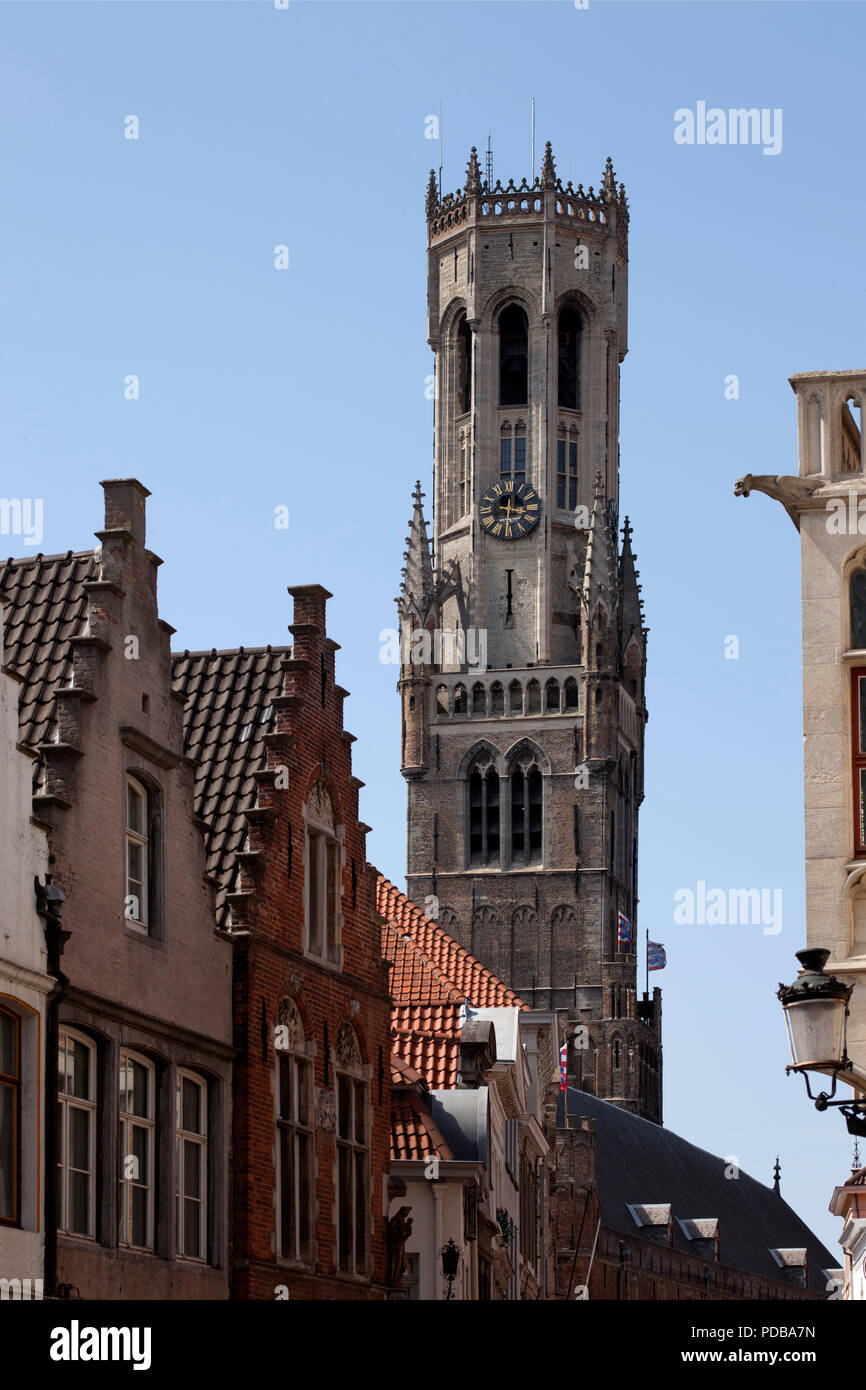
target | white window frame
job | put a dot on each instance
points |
(135, 837)
(65, 1104)
(182, 1138)
(126, 1122)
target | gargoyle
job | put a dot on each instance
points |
(790, 491)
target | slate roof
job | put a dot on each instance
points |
(640, 1163)
(46, 606)
(228, 712)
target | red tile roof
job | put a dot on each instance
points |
(437, 968)
(414, 1133)
(432, 979)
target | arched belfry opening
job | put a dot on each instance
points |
(513, 356)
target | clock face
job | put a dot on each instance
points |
(509, 510)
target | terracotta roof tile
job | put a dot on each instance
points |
(414, 1134)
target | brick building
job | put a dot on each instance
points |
(523, 645)
(275, 788)
(143, 1028)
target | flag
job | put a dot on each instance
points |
(656, 959)
(623, 931)
(563, 1062)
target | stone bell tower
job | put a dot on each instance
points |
(522, 636)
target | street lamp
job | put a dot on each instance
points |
(450, 1254)
(816, 1017)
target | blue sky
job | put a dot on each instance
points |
(306, 387)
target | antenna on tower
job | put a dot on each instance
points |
(532, 137)
(441, 147)
(489, 162)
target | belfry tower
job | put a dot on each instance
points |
(523, 644)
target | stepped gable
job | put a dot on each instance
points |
(228, 716)
(640, 1163)
(46, 605)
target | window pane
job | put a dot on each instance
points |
(344, 1107)
(858, 610)
(140, 1098)
(139, 1216)
(304, 1080)
(305, 1182)
(333, 854)
(360, 1209)
(192, 1154)
(192, 1106)
(80, 1071)
(360, 1116)
(78, 1202)
(285, 1064)
(344, 1205)
(79, 1138)
(315, 905)
(8, 1045)
(8, 1152)
(138, 1139)
(287, 1192)
(134, 809)
(192, 1228)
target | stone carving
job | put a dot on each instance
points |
(319, 809)
(288, 1014)
(348, 1051)
(326, 1111)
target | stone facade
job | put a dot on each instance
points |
(522, 738)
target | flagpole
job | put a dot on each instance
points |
(647, 962)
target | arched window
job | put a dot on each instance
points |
(460, 699)
(497, 698)
(533, 698)
(479, 702)
(463, 474)
(137, 854)
(137, 1115)
(76, 1138)
(323, 876)
(513, 356)
(858, 610)
(464, 366)
(483, 811)
(295, 1120)
(551, 699)
(851, 460)
(353, 1154)
(526, 812)
(566, 468)
(515, 698)
(569, 359)
(442, 702)
(617, 1054)
(572, 698)
(191, 1166)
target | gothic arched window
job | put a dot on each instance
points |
(515, 698)
(513, 356)
(460, 699)
(442, 710)
(571, 694)
(568, 340)
(497, 698)
(483, 811)
(551, 698)
(479, 704)
(533, 698)
(526, 811)
(464, 366)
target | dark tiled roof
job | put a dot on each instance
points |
(47, 605)
(227, 714)
(640, 1163)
